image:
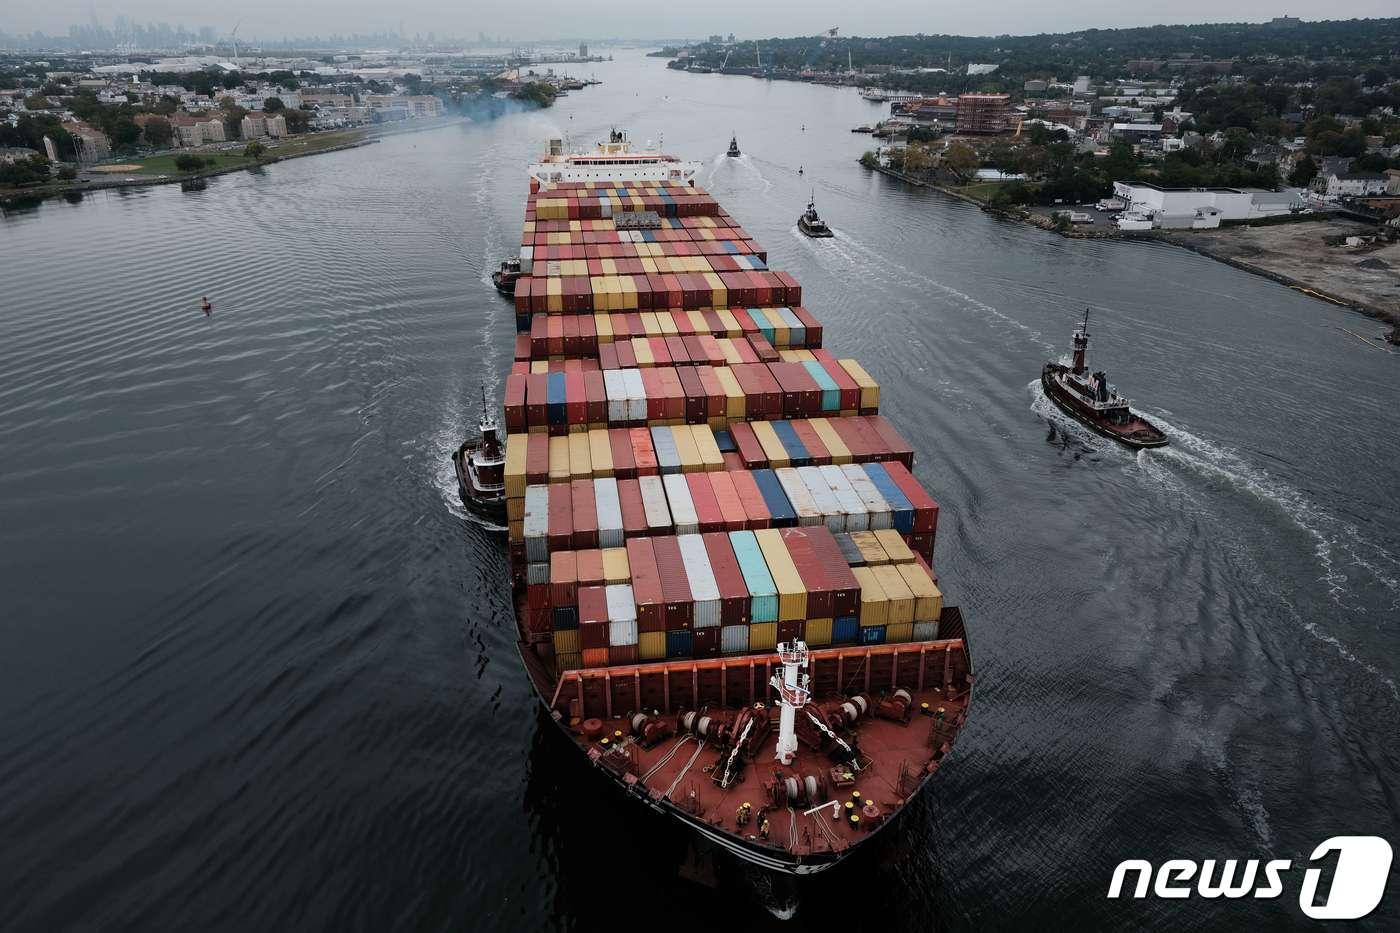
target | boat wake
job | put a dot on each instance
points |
(1338, 543)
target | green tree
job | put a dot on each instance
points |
(1304, 171)
(273, 104)
(187, 162)
(37, 102)
(960, 159)
(159, 132)
(1120, 164)
(67, 173)
(254, 150)
(298, 121)
(869, 159)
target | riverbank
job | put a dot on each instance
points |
(1296, 255)
(159, 169)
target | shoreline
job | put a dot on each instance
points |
(1029, 218)
(20, 195)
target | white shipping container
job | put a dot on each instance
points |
(857, 518)
(875, 504)
(622, 604)
(615, 385)
(636, 395)
(537, 573)
(654, 503)
(682, 505)
(622, 634)
(527, 259)
(536, 524)
(609, 508)
(734, 638)
(833, 516)
(799, 496)
(704, 591)
(925, 631)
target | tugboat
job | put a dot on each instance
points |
(504, 277)
(480, 466)
(1093, 402)
(733, 152)
(812, 225)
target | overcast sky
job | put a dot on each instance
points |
(546, 19)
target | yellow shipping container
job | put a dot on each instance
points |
(705, 442)
(763, 636)
(894, 546)
(600, 300)
(641, 349)
(515, 510)
(928, 599)
(773, 448)
(782, 335)
(515, 531)
(897, 633)
(734, 401)
(874, 607)
(651, 646)
(840, 453)
(788, 356)
(901, 600)
(580, 463)
(515, 465)
(568, 662)
(558, 459)
(600, 452)
(609, 266)
(567, 642)
(732, 357)
(649, 265)
(698, 322)
(792, 595)
(602, 324)
(870, 548)
(667, 322)
(615, 567)
(575, 226)
(555, 295)
(719, 294)
(818, 632)
(629, 293)
(730, 322)
(803, 355)
(869, 388)
(539, 366)
(650, 326)
(686, 450)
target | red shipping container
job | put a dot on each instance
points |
(705, 642)
(539, 622)
(792, 630)
(695, 401)
(536, 398)
(585, 513)
(925, 508)
(715, 397)
(646, 585)
(683, 325)
(538, 596)
(563, 578)
(659, 351)
(762, 348)
(679, 610)
(673, 395)
(536, 458)
(575, 399)
(899, 448)
(812, 441)
(522, 347)
(626, 356)
(754, 504)
(624, 466)
(848, 390)
(750, 450)
(810, 324)
(656, 394)
(634, 515)
(515, 404)
(856, 441)
(561, 517)
(619, 655)
(802, 397)
(809, 568)
(595, 393)
(709, 350)
(793, 292)
(643, 453)
(675, 349)
(523, 290)
(845, 591)
(734, 600)
(746, 324)
(702, 494)
(607, 356)
(731, 509)
(571, 342)
(590, 567)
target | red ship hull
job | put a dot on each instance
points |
(1136, 432)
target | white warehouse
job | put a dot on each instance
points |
(1151, 206)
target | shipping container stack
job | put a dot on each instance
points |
(689, 472)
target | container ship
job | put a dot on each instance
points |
(722, 560)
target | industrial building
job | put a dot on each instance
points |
(1154, 207)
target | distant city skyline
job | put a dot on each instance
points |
(551, 20)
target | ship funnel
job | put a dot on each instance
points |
(556, 147)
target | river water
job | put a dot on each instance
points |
(257, 666)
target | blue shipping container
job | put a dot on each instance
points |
(565, 618)
(901, 508)
(764, 327)
(668, 459)
(763, 594)
(796, 450)
(725, 442)
(845, 630)
(681, 644)
(797, 331)
(872, 635)
(554, 407)
(831, 392)
(780, 510)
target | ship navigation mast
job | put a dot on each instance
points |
(792, 688)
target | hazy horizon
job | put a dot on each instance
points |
(547, 20)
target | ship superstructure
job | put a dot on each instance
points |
(614, 160)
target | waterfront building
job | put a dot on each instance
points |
(1333, 185)
(253, 125)
(983, 113)
(1198, 208)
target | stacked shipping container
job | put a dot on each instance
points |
(689, 473)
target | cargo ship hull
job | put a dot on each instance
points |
(721, 559)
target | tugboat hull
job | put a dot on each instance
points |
(815, 233)
(489, 506)
(1137, 432)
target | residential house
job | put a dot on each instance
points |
(254, 125)
(1334, 185)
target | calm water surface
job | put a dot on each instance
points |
(257, 666)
